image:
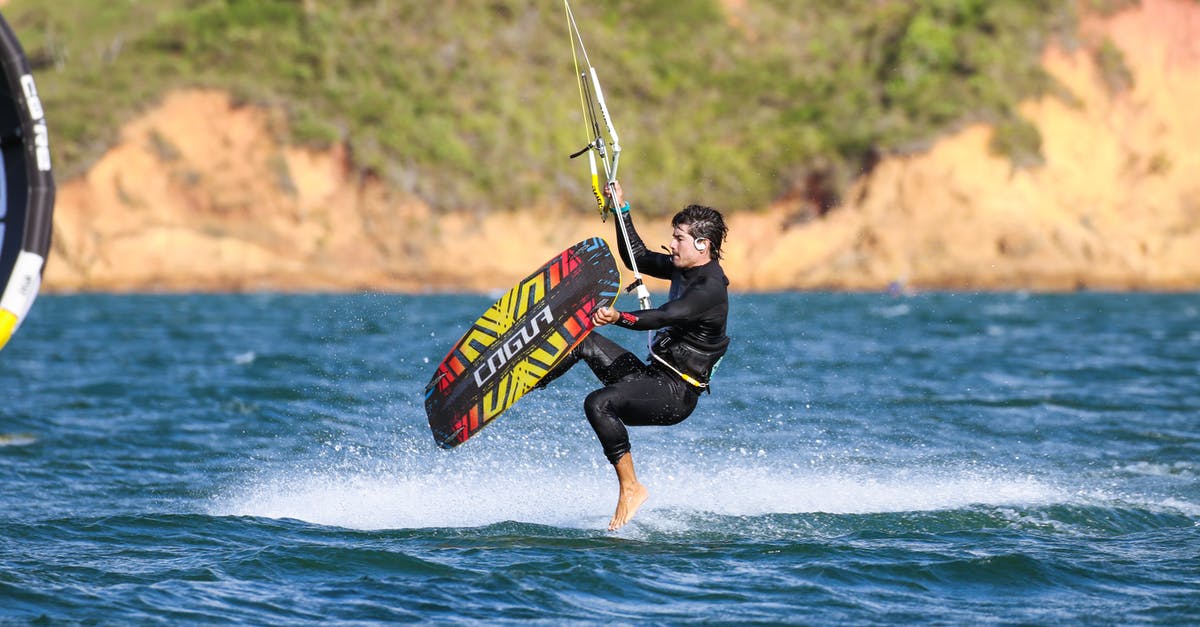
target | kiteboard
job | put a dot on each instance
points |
(524, 334)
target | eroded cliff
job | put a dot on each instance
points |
(200, 194)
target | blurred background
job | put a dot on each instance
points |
(300, 145)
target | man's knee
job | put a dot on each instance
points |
(598, 405)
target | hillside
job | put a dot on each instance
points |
(1086, 180)
(474, 104)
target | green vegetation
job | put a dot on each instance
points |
(473, 103)
(1111, 63)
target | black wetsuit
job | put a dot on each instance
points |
(690, 340)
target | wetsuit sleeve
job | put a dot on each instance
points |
(654, 264)
(701, 296)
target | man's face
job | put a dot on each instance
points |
(684, 253)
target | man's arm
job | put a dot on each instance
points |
(654, 264)
(693, 302)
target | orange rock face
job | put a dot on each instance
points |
(200, 195)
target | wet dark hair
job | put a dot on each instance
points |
(704, 223)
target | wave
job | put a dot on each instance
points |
(972, 563)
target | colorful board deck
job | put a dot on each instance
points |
(518, 340)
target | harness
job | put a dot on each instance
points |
(690, 380)
(694, 364)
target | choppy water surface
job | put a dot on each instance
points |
(940, 458)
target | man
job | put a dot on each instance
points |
(690, 341)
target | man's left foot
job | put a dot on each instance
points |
(627, 505)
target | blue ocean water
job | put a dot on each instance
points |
(939, 458)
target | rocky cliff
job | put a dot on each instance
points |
(200, 194)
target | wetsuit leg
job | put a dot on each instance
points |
(607, 359)
(647, 398)
(634, 393)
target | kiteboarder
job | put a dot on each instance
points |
(689, 342)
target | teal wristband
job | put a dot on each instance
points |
(625, 208)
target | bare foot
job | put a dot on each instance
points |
(628, 503)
